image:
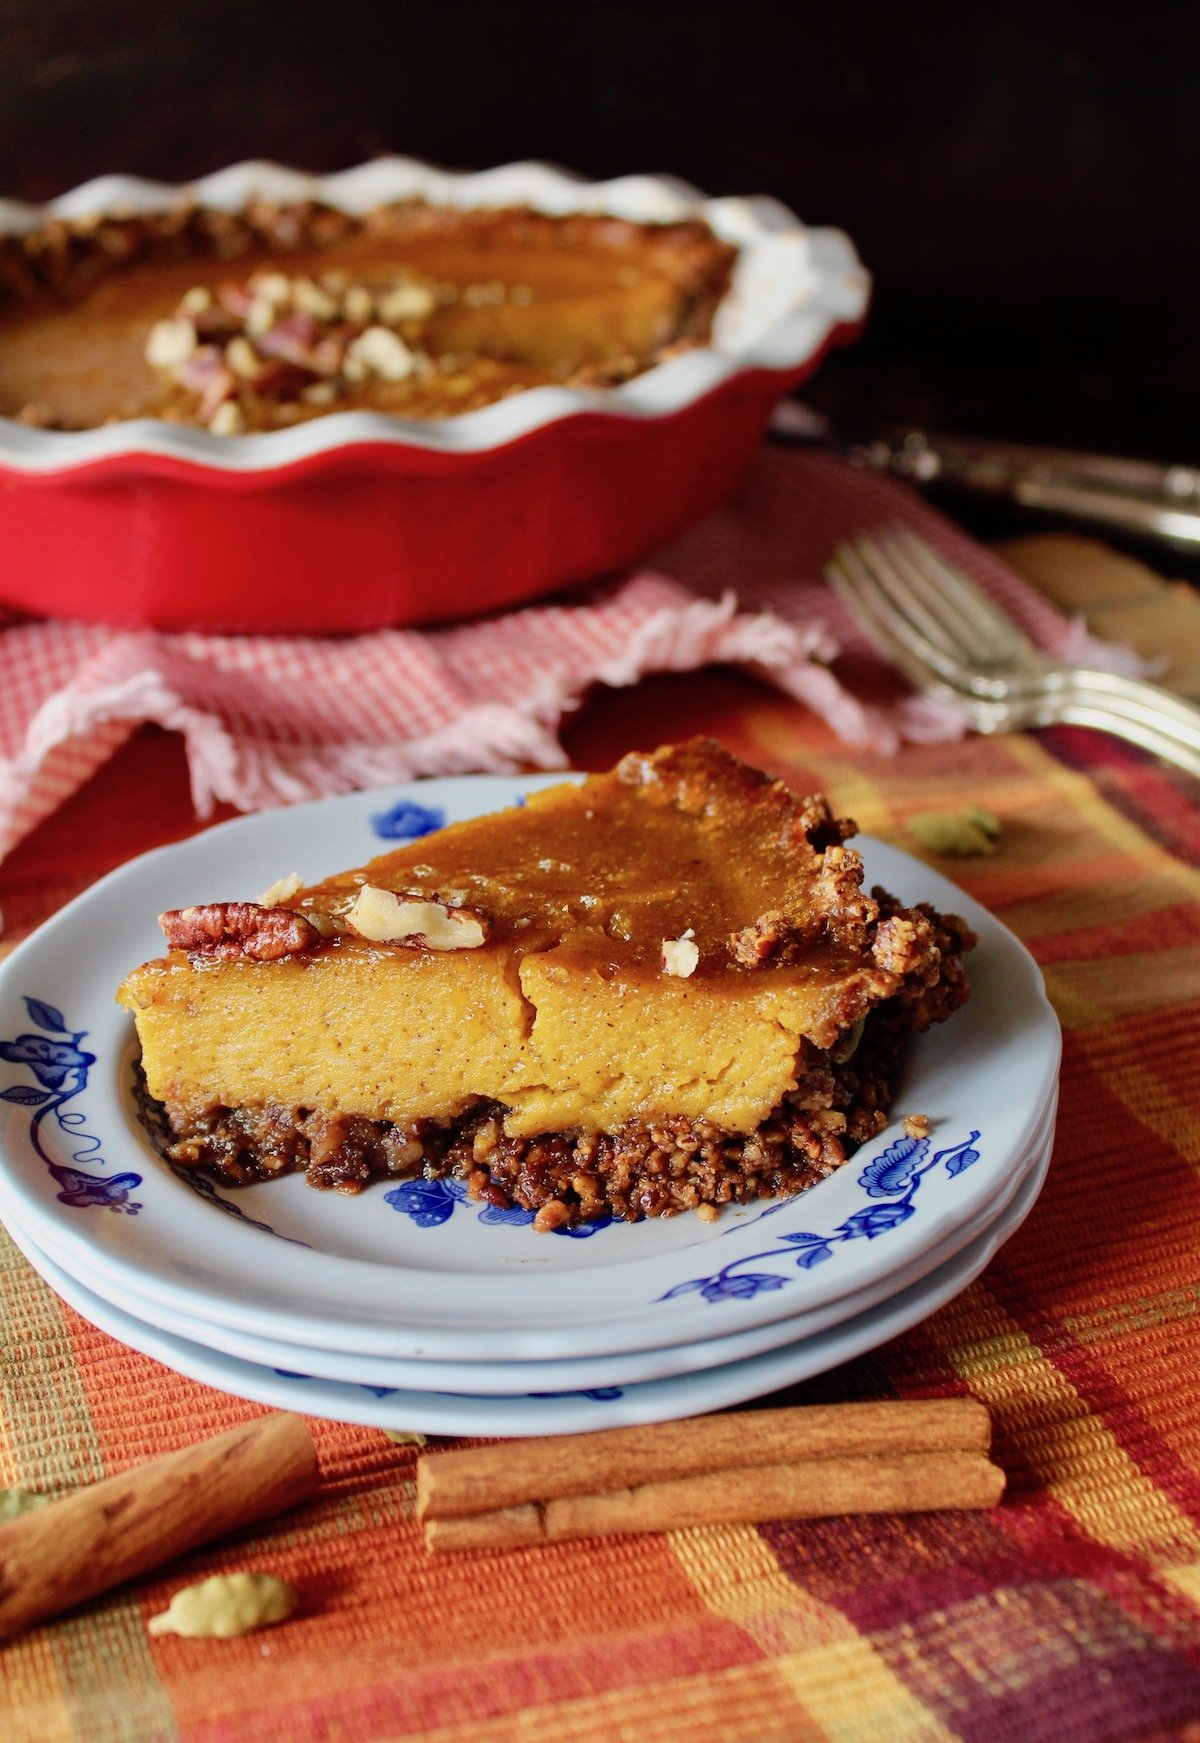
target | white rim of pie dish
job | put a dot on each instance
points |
(571, 1412)
(792, 288)
(461, 1290)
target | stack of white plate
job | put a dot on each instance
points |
(412, 1307)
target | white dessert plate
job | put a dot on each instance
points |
(498, 1379)
(414, 1271)
(574, 1412)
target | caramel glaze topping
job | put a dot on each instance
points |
(595, 871)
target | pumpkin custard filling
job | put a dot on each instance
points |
(661, 989)
(273, 315)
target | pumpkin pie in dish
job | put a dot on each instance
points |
(275, 314)
(462, 391)
(661, 989)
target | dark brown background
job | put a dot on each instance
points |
(1021, 179)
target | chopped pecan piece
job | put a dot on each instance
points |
(905, 945)
(415, 920)
(777, 937)
(680, 955)
(757, 944)
(281, 337)
(220, 930)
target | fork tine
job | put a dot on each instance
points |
(893, 590)
(907, 604)
(894, 636)
(1001, 635)
(971, 645)
(845, 575)
(906, 619)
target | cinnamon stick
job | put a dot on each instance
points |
(816, 1489)
(490, 1479)
(108, 1532)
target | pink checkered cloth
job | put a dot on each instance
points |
(270, 720)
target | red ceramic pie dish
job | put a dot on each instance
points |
(359, 520)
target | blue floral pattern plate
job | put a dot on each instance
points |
(584, 1373)
(412, 1273)
(557, 1412)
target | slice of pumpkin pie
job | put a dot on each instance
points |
(661, 989)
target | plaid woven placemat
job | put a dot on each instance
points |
(1071, 1612)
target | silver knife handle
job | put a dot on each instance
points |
(1132, 514)
(1135, 496)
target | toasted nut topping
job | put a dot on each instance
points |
(260, 317)
(484, 1141)
(384, 353)
(170, 342)
(774, 937)
(313, 300)
(408, 302)
(387, 918)
(551, 1216)
(281, 891)
(358, 304)
(275, 286)
(680, 955)
(274, 341)
(222, 930)
(228, 419)
(242, 358)
(479, 296)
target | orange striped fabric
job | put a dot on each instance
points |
(1072, 1611)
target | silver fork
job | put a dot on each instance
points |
(951, 641)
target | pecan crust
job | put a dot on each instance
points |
(838, 908)
(219, 931)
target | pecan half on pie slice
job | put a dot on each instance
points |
(662, 989)
(254, 320)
